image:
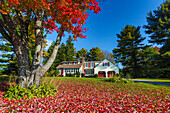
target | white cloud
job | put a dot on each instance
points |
(49, 42)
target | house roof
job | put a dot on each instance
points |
(69, 66)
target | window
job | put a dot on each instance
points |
(89, 72)
(65, 63)
(75, 62)
(70, 63)
(86, 65)
(105, 64)
(92, 64)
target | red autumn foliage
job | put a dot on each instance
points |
(70, 14)
(156, 48)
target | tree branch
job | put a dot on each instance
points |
(4, 34)
(9, 26)
(54, 53)
(20, 17)
(2, 23)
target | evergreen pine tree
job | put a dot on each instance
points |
(70, 50)
(158, 24)
(8, 62)
(81, 53)
(149, 61)
(61, 56)
(95, 54)
(129, 44)
(158, 28)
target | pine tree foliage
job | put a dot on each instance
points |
(95, 54)
(158, 28)
(8, 62)
(129, 44)
(70, 50)
(159, 24)
(81, 53)
(149, 61)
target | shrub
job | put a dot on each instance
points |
(114, 79)
(82, 75)
(119, 80)
(77, 74)
(16, 92)
(96, 75)
(57, 72)
(70, 75)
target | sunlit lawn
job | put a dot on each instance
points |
(95, 95)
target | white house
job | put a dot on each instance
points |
(103, 69)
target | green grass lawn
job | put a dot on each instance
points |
(154, 79)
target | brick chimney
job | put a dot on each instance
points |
(83, 59)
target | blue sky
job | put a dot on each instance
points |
(115, 14)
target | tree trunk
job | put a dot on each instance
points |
(20, 43)
(23, 66)
(36, 64)
(136, 66)
(37, 70)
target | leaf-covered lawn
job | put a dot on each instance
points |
(95, 95)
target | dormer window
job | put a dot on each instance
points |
(105, 64)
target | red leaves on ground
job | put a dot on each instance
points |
(87, 95)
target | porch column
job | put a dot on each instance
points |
(106, 74)
(64, 73)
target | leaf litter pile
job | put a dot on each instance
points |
(94, 95)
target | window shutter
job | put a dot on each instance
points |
(108, 63)
(89, 65)
(94, 64)
(84, 65)
(103, 63)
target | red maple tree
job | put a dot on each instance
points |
(42, 15)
